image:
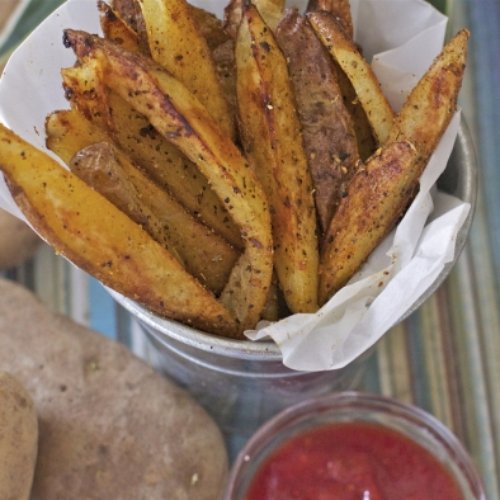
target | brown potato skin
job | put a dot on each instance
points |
(18, 439)
(376, 197)
(116, 29)
(327, 127)
(91, 232)
(272, 139)
(270, 10)
(110, 426)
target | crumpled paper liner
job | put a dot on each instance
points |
(403, 37)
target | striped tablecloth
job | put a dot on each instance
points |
(446, 357)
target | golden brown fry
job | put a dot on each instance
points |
(163, 162)
(203, 253)
(116, 29)
(91, 232)
(130, 12)
(180, 118)
(376, 197)
(273, 142)
(341, 9)
(176, 44)
(210, 27)
(270, 10)
(431, 104)
(327, 127)
(357, 69)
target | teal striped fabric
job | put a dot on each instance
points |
(446, 357)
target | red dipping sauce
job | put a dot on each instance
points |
(345, 461)
(353, 445)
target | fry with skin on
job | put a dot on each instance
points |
(327, 127)
(357, 69)
(271, 136)
(184, 121)
(162, 161)
(177, 45)
(116, 29)
(430, 106)
(91, 232)
(376, 197)
(88, 151)
(341, 9)
(270, 10)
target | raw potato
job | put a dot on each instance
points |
(272, 139)
(18, 242)
(91, 232)
(109, 426)
(18, 438)
(179, 117)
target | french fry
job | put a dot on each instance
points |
(327, 127)
(176, 44)
(91, 232)
(163, 162)
(271, 135)
(116, 29)
(130, 12)
(184, 121)
(376, 197)
(90, 154)
(341, 9)
(431, 104)
(270, 10)
(357, 69)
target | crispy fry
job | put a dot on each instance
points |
(341, 9)
(88, 152)
(116, 29)
(431, 104)
(376, 197)
(91, 232)
(270, 10)
(357, 69)
(177, 45)
(327, 127)
(273, 142)
(211, 28)
(181, 118)
(163, 162)
(130, 12)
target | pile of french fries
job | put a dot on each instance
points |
(227, 171)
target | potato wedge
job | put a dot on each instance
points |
(162, 161)
(116, 29)
(273, 142)
(431, 104)
(88, 152)
(130, 12)
(210, 27)
(327, 127)
(177, 45)
(91, 232)
(184, 121)
(341, 9)
(357, 69)
(376, 197)
(270, 10)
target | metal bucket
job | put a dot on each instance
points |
(244, 383)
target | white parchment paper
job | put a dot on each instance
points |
(402, 37)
